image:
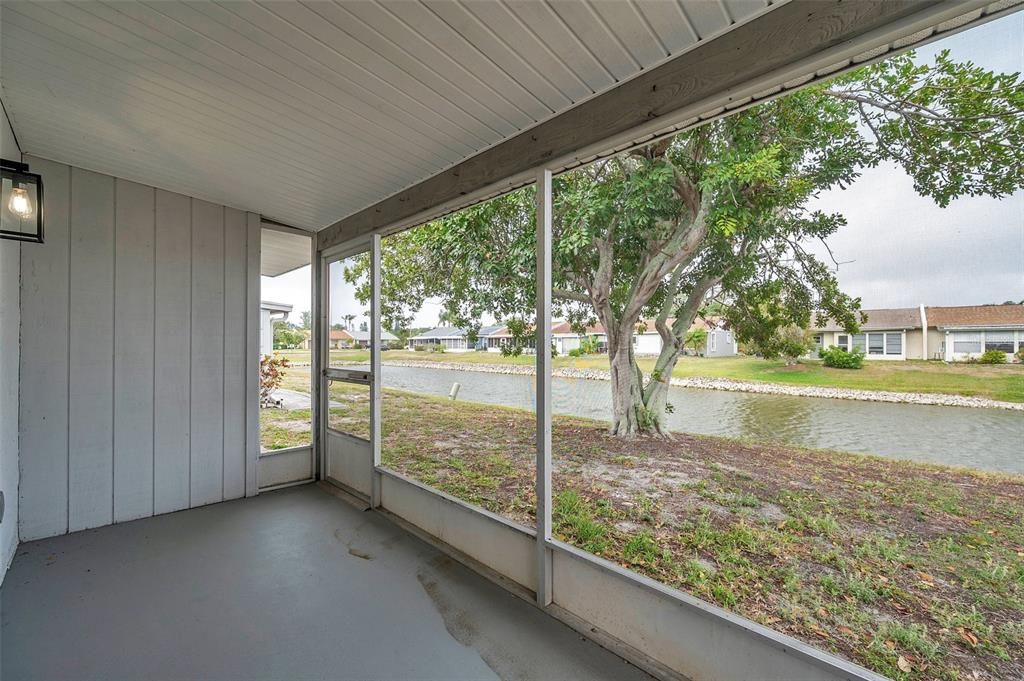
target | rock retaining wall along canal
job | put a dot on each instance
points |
(730, 385)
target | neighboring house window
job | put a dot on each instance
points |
(999, 340)
(817, 340)
(894, 343)
(876, 343)
(714, 339)
(843, 341)
(966, 343)
(860, 342)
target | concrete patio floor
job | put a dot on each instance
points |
(293, 584)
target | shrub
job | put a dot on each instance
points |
(789, 342)
(993, 357)
(271, 376)
(589, 345)
(420, 348)
(1020, 354)
(838, 358)
(576, 352)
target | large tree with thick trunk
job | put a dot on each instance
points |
(717, 216)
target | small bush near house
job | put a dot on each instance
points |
(993, 357)
(790, 343)
(838, 358)
(589, 345)
(420, 348)
(1020, 355)
(576, 352)
(271, 376)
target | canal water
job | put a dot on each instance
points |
(987, 439)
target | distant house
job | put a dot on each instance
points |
(269, 313)
(489, 338)
(454, 339)
(646, 339)
(567, 340)
(451, 338)
(338, 339)
(361, 339)
(953, 334)
(720, 341)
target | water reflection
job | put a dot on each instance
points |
(786, 421)
(989, 439)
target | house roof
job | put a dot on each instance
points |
(365, 335)
(275, 307)
(441, 332)
(565, 328)
(486, 331)
(340, 334)
(456, 332)
(881, 319)
(976, 315)
(938, 317)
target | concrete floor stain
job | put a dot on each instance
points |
(459, 622)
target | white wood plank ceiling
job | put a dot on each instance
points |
(309, 111)
(282, 252)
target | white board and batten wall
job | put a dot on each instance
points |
(135, 318)
(10, 324)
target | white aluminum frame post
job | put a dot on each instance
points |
(376, 383)
(543, 354)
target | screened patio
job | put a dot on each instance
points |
(143, 531)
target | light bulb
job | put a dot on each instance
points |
(20, 203)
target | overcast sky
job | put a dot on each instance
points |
(898, 249)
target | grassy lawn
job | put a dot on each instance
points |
(283, 428)
(914, 571)
(998, 382)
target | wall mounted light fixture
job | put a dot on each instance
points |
(21, 202)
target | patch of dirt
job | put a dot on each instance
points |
(791, 369)
(296, 426)
(825, 546)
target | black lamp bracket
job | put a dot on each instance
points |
(16, 166)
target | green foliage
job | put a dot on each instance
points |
(718, 217)
(286, 336)
(955, 128)
(576, 352)
(641, 548)
(271, 376)
(993, 357)
(788, 342)
(696, 339)
(839, 358)
(589, 345)
(573, 518)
